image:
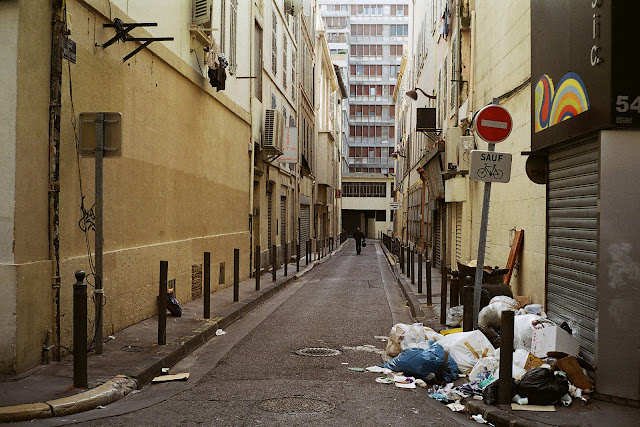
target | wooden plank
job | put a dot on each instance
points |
(513, 254)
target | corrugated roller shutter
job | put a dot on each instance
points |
(305, 213)
(572, 245)
(269, 225)
(458, 232)
(438, 239)
(283, 225)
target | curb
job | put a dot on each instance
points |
(137, 376)
(499, 417)
(412, 299)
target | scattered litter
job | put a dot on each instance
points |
(478, 418)
(406, 385)
(385, 380)
(220, 332)
(439, 397)
(101, 407)
(533, 408)
(456, 407)
(174, 377)
(378, 370)
(566, 400)
(477, 397)
(111, 337)
(520, 400)
(346, 363)
(368, 348)
(421, 383)
(414, 410)
(165, 371)
(356, 369)
(381, 338)
(454, 316)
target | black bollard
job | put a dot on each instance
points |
(162, 303)
(454, 299)
(402, 258)
(408, 259)
(413, 267)
(207, 286)
(236, 275)
(506, 357)
(419, 272)
(467, 299)
(80, 377)
(298, 257)
(258, 268)
(428, 277)
(286, 259)
(274, 261)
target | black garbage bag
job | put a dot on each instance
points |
(542, 387)
(492, 335)
(490, 392)
(173, 305)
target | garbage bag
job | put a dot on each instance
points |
(490, 315)
(491, 290)
(399, 332)
(414, 337)
(486, 364)
(173, 305)
(420, 362)
(491, 334)
(523, 327)
(454, 316)
(542, 387)
(490, 392)
(467, 348)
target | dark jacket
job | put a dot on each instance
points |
(358, 235)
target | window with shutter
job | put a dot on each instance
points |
(201, 12)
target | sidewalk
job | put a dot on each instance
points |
(131, 357)
(598, 412)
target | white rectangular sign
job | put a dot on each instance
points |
(395, 206)
(490, 166)
(289, 146)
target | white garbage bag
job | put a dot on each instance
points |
(523, 327)
(467, 348)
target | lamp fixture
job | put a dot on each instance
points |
(395, 155)
(413, 94)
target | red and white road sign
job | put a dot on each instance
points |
(493, 123)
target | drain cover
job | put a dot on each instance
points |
(317, 352)
(296, 405)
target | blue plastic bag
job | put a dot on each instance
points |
(420, 362)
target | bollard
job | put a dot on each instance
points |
(258, 268)
(162, 303)
(413, 267)
(306, 255)
(286, 259)
(236, 275)
(443, 296)
(428, 277)
(402, 258)
(274, 261)
(467, 299)
(207, 285)
(454, 299)
(80, 377)
(408, 259)
(506, 357)
(297, 257)
(419, 272)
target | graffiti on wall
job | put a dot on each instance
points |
(553, 106)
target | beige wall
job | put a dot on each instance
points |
(179, 189)
(502, 62)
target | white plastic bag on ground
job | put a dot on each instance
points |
(517, 367)
(490, 315)
(414, 337)
(488, 364)
(454, 316)
(503, 299)
(467, 348)
(395, 338)
(417, 335)
(432, 335)
(523, 327)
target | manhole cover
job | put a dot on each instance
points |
(317, 352)
(134, 348)
(296, 405)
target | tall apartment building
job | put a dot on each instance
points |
(367, 40)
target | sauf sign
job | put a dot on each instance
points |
(490, 166)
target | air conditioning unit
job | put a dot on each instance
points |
(465, 145)
(273, 130)
(200, 12)
(293, 7)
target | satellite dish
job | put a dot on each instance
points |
(293, 7)
(537, 169)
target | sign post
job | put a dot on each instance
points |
(493, 124)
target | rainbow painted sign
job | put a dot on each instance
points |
(554, 106)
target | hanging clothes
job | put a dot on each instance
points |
(217, 64)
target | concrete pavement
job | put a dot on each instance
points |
(131, 357)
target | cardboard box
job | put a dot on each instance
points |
(553, 338)
(574, 372)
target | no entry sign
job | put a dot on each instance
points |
(493, 123)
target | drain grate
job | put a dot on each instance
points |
(317, 352)
(296, 405)
(134, 348)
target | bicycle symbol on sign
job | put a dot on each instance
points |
(492, 171)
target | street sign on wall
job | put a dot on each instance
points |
(395, 206)
(289, 146)
(493, 123)
(490, 166)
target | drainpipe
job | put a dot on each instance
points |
(471, 96)
(55, 83)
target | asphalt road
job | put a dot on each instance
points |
(251, 376)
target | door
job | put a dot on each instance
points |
(305, 213)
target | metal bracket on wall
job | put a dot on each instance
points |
(122, 34)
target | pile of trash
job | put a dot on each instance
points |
(546, 368)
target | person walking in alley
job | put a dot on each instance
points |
(359, 236)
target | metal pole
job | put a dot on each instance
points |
(428, 277)
(443, 264)
(413, 266)
(467, 296)
(207, 285)
(306, 255)
(258, 268)
(286, 259)
(80, 377)
(402, 258)
(236, 275)
(454, 292)
(419, 272)
(408, 255)
(274, 260)
(98, 290)
(506, 357)
(162, 303)
(482, 243)
(298, 257)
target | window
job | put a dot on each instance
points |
(285, 47)
(399, 30)
(223, 25)
(293, 74)
(233, 27)
(274, 44)
(364, 189)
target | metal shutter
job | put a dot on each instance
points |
(305, 213)
(283, 225)
(438, 239)
(458, 232)
(269, 222)
(572, 240)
